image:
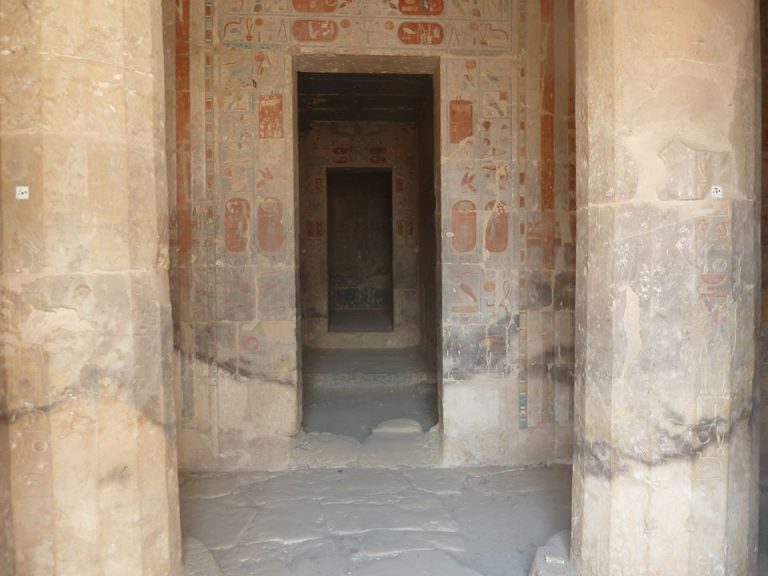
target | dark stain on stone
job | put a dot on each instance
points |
(148, 413)
(567, 353)
(565, 291)
(205, 342)
(228, 366)
(675, 417)
(118, 475)
(263, 378)
(595, 457)
(601, 460)
(11, 416)
(562, 374)
(539, 290)
(231, 369)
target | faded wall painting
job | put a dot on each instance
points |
(505, 182)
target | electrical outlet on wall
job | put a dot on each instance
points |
(717, 191)
(22, 192)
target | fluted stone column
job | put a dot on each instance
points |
(665, 477)
(87, 438)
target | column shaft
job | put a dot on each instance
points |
(87, 435)
(665, 478)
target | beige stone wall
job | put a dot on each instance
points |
(88, 435)
(394, 147)
(505, 206)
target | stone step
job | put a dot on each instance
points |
(345, 368)
(333, 380)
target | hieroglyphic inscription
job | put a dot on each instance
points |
(464, 226)
(463, 24)
(315, 6)
(237, 216)
(315, 30)
(461, 122)
(270, 225)
(713, 418)
(421, 33)
(496, 226)
(713, 259)
(421, 7)
(271, 116)
(691, 171)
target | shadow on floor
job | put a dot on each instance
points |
(350, 392)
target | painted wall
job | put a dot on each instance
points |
(505, 181)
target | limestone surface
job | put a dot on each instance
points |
(375, 522)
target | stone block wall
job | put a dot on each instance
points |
(504, 179)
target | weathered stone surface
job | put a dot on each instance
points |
(664, 472)
(476, 426)
(763, 357)
(198, 560)
(87, 433)
(553, 559)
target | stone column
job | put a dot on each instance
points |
(665, 476)
(87, 434)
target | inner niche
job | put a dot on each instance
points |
(360, 276)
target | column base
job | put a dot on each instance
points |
(554, 558)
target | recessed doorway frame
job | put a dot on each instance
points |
(367, 64)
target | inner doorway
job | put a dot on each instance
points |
(368, 252)
(360, 268)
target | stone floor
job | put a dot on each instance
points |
(372, 522)
(379, 522)
(365, 496)
(351, 392)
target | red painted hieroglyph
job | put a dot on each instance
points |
(315, 30)
(237, 217)
(271, 116)
(461, 120)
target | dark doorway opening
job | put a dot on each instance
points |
(360, 297)
(370, 302)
